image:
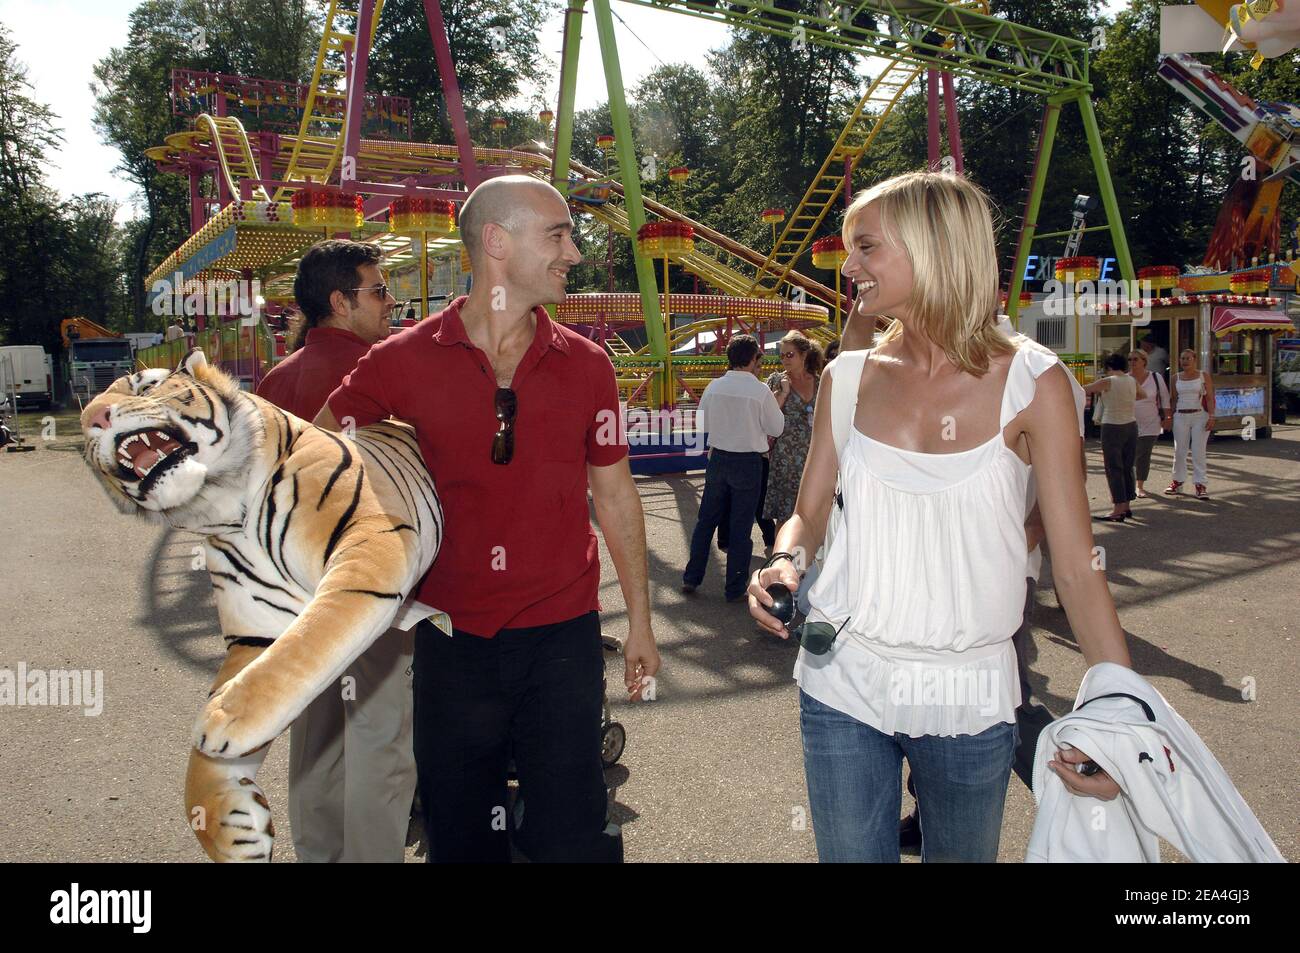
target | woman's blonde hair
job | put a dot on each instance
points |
(944, 225)
(813, 357)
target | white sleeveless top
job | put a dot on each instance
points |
(1189, 392)
(929, 570)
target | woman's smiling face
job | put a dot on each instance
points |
(880, 271)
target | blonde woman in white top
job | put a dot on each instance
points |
(925, 578)
(1192, 419)
(1114, 410)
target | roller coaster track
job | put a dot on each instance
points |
(319, 144)
(723, 262)
(859, 132)
(234, 156)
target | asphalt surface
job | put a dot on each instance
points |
(1207, 592)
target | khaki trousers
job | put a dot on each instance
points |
(351, 764)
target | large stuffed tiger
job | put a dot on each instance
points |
(313, 542)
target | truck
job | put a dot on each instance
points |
(27, 375)
(94, 357)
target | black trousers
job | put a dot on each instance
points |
(765, 526)
(534, 695)
(731, 485)
(1119, 455)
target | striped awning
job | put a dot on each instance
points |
(1226, 320)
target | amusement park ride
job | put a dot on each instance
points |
(329, 159)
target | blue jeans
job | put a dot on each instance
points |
(732, 484)
(854, 775)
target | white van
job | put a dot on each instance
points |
(27, 370)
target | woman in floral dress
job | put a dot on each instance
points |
(795, 388)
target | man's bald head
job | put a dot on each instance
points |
(509, 201)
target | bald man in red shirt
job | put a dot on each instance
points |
(351, 761)
(516, 417)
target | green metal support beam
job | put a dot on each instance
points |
(656, 334)
(1047, 135)
(983, 47)
(568, 89)
(1108, 200)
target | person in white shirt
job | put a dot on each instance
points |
(1157, 357)
(174, 331)
(923, 583)
(738, 412)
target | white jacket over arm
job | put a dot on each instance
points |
(1172, 786)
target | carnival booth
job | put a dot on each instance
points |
(1232, 335)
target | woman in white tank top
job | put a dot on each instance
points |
(924, 579)
(1192, 420)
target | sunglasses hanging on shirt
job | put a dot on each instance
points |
(503, 442)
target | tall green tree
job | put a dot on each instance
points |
(495, 49)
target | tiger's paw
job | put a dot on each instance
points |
(229, 728)
(233, 824)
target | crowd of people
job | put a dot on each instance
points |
(1132, 406)
(912, 485)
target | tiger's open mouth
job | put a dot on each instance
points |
(147, 454)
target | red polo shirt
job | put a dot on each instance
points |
(518, 549)
(301, 382)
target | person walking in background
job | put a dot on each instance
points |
(1157, 357)
(1192, 419)
(795, 387)
(351, 762)
(739, 414)
(1113, 408)
(1149, 408)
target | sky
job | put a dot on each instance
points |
(61, 40)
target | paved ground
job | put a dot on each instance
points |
(1207, 592)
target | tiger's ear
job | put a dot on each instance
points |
(192, 361)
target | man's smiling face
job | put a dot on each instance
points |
(542, 249)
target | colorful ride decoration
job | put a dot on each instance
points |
(464, 260)
(268, 213)
(605, 143)
(546, 117)
(324, 207)
(1250, 282)
(245, 351)
(411, 213)
(830, 253)
(498, 124)
(1078, 268)
(665, 239)
(1161, 277)
(773, 217)
(1204, 282)
(1025, 298)
(679, 174)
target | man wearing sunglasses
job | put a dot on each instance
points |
(351, 761)
(516, 416)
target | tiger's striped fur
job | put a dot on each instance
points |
(313, 542)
